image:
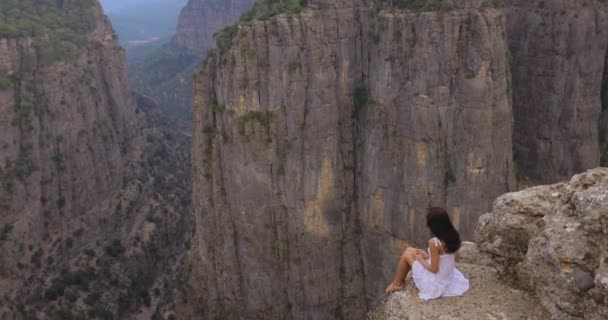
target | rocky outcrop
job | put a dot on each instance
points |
(320, 139)
(558, 51)
(166, 75)
(553, 240)
(94, 194)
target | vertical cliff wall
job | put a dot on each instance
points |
(67, 125)
(166, 74)
(94, 192)
(321, 138)
(558, 53)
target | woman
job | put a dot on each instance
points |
(434, 272)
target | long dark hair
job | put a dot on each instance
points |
(441, 226)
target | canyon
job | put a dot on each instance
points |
(320, 133)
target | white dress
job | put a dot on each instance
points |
(448, 282)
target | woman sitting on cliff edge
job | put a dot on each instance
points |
(434, 272)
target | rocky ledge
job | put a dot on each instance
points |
(541, 255)
(488, 298)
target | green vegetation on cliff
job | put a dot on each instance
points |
(262, 10)
(421, 5)
(63, 25)
(266, 9)
(67, 19)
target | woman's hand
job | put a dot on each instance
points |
(422, 253)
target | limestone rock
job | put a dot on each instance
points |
(506, 235)
(554, 240)
(469, 253)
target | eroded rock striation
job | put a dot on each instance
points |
(558, 51)
(553, 240)
(319, 136)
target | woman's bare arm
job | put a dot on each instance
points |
(434, 265)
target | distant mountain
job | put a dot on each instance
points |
(143, 25)
(112, 6)
(166, 74)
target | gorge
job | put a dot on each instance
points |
(321, 132)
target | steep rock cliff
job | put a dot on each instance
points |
(94, 196)
(54, 106)
(166, 74)
(321, 137)
(558, 50)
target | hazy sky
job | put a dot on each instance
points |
(111, 6)
(143, 25)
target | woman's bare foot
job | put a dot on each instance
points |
(395, 287)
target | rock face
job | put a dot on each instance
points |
(166, 74)
(86, 130)
(558, 50)
(320, 139)
(553, 239)
(488, 298)
(604, 119)
(94, 191)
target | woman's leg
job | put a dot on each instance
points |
(405, 262)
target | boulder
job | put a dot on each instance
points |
(553, 239)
